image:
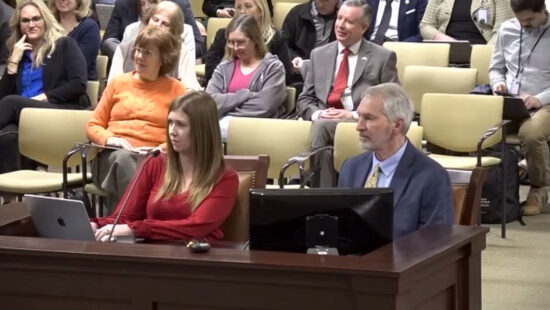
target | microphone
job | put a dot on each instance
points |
(151, 154)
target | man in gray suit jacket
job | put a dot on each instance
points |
(340, 72)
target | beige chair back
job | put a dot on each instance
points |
(457, 122)
(214, 24)
(196, 6)
(46, 135)
(481, 60)
(290, 101)
(420, 80)
(421, 54)
(92, 88)
(346, 141)
(281, 139)
(252, 172)
(101, 67)
(280, 11)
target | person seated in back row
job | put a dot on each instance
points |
(273, 38)
(521, 67)
(422, 192)
(307, 26)
(396, 20)
(131, 114)
(167, 15)
(250, 81)
(340, 72)
(187, 193)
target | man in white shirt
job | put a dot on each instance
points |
(521, 67)
(340, 72)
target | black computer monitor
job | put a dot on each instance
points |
(279, 217)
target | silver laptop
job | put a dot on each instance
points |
(59, 218)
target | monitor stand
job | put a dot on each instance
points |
(321, 250)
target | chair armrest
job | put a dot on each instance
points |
(301, 160)
(488, 133)
(77, 148)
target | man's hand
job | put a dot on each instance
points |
(297, 62)
(119, 142)
(500, 89)
(531, 102)
(332, 113)
(225, 12)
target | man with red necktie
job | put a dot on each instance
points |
(339, 73)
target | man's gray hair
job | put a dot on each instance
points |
(397, 104)
(367, 10)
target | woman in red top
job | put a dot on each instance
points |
(187, 193)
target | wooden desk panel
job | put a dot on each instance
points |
(435, 268)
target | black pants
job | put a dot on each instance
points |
(10, 111)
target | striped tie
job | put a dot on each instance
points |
(372, 181)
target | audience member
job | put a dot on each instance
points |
(521, 67)
(186, 194)
(73, 16)
(273, 38)
(340, 73)
(396, 22)
(128, 11)
(131, 114)
(422, 190)
(167, 15)
(6, 12)
(307, 26)
(250, 81)
(44, 70)
(161, 17)
(472, 20)
(219, 8)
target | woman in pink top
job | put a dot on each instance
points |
(250, 81)
(186, 194)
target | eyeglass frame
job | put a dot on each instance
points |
(35, 19)
(239, 44)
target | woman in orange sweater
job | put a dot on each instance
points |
(132, 112)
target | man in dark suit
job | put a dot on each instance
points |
(422, 189)
(339, 73)
(6, 12)
(397, 22)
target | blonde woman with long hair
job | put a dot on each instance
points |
(74, 17)
(188, 192)
(45, 69)
(273, 38)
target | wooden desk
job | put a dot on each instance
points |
(435, 268)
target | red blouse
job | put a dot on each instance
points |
(172, 219)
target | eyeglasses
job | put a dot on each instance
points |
(236, 44)
(143, 51)
(26, 21)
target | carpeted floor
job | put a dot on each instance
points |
(516, 270)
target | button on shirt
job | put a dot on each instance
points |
(392, 33)
(387, 166)
(535, 77)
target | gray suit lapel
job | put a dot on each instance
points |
(362, 60)
(327, 67)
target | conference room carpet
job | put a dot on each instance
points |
(516, 270)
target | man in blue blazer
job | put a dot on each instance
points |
(422, 188)
(407, 14)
